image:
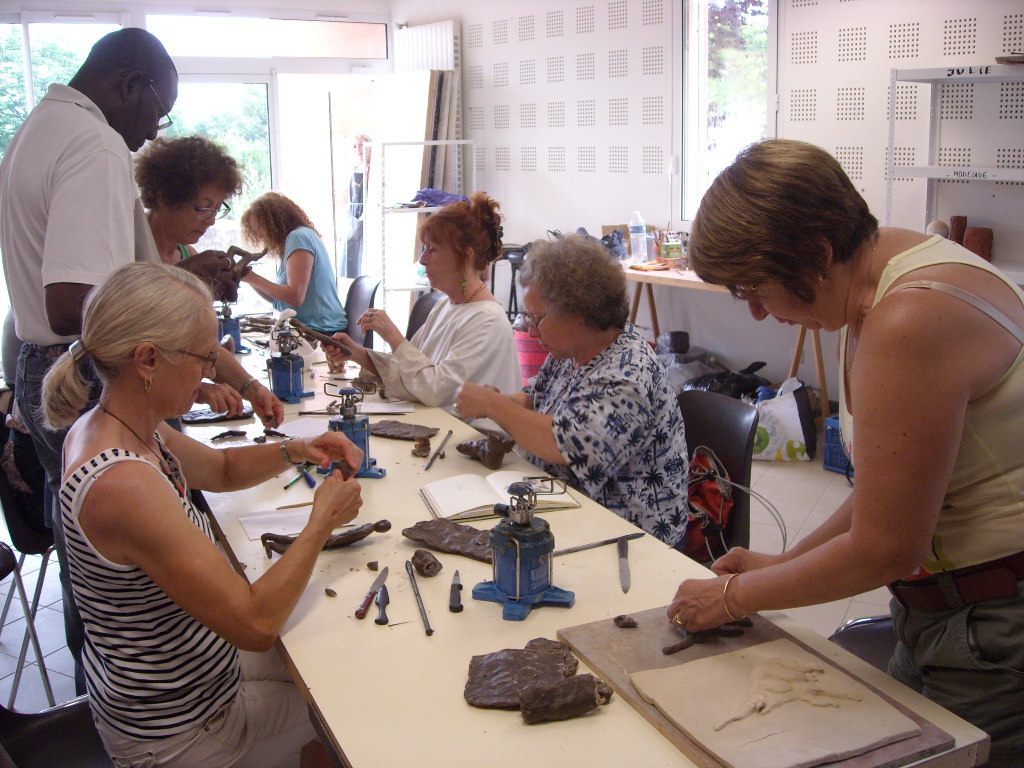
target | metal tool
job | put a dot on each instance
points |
(436, 453)
(591, 545)
(285, 367)
(521, 546)
(419, 599)
(623, 547)
(382, 602)
(355, 426)
(372, 593)
(455, 595)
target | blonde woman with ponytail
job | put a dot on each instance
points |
(148, 578)
(467, 336)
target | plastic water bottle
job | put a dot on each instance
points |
(638, 238)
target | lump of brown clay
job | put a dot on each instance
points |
(278, 542)
(625, 622)
(422, 447)
(497, 679)
(400, 430)
(490, 450)
(453, 538)
(560, 700)
(425, 563)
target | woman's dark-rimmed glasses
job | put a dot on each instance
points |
(218, 213)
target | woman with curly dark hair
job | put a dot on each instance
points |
(467, 336)
(184, 184)
(305, 279)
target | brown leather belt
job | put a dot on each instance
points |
(952, 590)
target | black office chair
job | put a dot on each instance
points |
(63, 735)
(727, 426)
(359, 299)
(420, 309)
(871, 638)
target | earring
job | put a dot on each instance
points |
(465, 285)
(148, 385)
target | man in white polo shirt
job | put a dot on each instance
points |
(70, 214)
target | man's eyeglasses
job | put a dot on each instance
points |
(534, 322)
(166, 122)
(218, 213)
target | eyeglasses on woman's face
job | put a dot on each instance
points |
(209, 360)
(748, 293)
(534, 321)
(215, 213)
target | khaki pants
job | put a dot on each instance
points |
(267, 722)
(971, 661)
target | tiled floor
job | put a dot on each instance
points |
(804, 493)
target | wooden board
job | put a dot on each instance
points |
(613, 654)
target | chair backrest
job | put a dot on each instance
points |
(872, 638)
(727, 426)
(420, 309)
(360, 298)
(64, 735)
(15, 504)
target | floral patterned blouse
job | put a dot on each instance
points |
(617, 422)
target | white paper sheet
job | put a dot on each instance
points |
(287, 522)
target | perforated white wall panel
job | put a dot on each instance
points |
(835, 58)
(570, 105)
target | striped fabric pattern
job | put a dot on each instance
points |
(153, 670)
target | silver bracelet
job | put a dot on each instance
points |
(245, 386)
(284, 452)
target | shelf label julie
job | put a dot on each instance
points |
(985, 69)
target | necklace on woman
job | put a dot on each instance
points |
(160, 459)
(474, 294)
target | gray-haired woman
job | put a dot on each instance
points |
(165, 614)
(600, 414)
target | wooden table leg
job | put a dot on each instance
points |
(798, 351)
(826, 409)
(819, 362)
(637, 293)
(654, 311)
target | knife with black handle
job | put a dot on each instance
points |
(382, 603)
(455, 595)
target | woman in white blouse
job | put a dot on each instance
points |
(467, 336)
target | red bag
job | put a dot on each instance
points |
(710, 503)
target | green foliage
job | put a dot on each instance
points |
(52, 62)
(244, 132)
(13, 110)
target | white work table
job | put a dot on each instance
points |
(392, 696)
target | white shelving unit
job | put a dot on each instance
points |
(400, 165)
(933, 172)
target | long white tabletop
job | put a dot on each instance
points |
(392, 696)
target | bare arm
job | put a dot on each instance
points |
(531, 430)
(908, 421)
(178, 556)
(64, 307)
(299, 269)
(230, 469)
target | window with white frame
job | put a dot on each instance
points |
(726, 87)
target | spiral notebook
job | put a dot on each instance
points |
(468, 497)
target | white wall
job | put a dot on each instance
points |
(855, 44)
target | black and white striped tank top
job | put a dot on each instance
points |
(152, 669)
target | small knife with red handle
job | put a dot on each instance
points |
(372, 593)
